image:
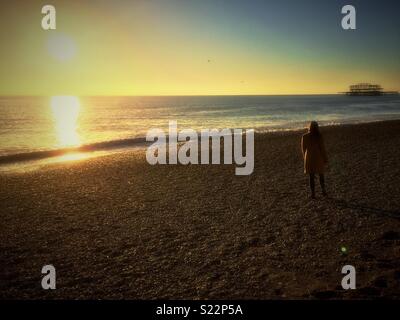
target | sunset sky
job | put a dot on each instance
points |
(189, 47)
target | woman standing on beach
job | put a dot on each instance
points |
(314, 155)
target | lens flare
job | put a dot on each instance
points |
(61, 47)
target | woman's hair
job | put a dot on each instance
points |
(314, 129)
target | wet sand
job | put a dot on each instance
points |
(116, 227)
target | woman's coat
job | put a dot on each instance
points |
(314, 153)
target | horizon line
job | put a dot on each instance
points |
(169, 95)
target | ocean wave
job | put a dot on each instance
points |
(99, 146)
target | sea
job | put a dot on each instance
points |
(40, 127)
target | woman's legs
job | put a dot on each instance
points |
(312, 185)
(322, 183)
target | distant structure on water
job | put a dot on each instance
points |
(367, 89)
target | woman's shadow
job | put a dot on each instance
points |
(346, 204)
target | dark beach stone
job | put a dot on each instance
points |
(321, 273)
(241, 246)
(214, 276)
(385, 265)
(328, 294)
(278, 292)
(369, 291)
(366, 256)
(253, 242)
(361, 269)
(391, 235)
(270, 239)
(380, 282)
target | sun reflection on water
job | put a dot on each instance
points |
(65, 111)
(72, 157)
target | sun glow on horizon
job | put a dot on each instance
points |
(157, 48)
(65, 110)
